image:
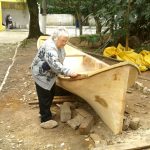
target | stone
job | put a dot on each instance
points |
(96, 139)
(126, 123)
(1, 140)
(134, 123)
(139, 86)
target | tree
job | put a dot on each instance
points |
(112, 14)
(91, 7)
(134, 21)
(140, 19)
(34, 29)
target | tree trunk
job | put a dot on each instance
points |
(98, 25)
(80, 26)
(112, 29)
(79, 16)
(34, 29)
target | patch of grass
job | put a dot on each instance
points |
(144, 46)
(90, 38)
(85, 49)
(27, 42)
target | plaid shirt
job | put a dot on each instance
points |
(47, 64)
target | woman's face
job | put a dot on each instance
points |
(61, 41)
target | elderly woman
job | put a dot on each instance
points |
(47, 64)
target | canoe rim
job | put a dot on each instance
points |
(92, 73)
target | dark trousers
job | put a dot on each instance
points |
(45, 98)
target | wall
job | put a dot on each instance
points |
(19, 13)
(59, 19)
(91, 21)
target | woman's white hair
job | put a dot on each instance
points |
(60, 32)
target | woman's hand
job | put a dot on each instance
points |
(73, 74)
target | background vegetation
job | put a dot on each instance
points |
(121, 18)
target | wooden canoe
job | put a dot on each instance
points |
(101, 85)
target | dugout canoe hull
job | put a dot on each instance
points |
(101, 85)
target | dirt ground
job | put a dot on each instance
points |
(19, 121)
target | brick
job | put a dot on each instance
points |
(86, 125)
(65, 112)
(83, 112)
(75, 122)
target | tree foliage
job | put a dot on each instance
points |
(140, 19)
(109, 13)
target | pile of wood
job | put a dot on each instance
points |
(57, 100)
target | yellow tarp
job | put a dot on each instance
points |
(141, 59)
(1, 26)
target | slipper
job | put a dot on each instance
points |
(49, 124)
